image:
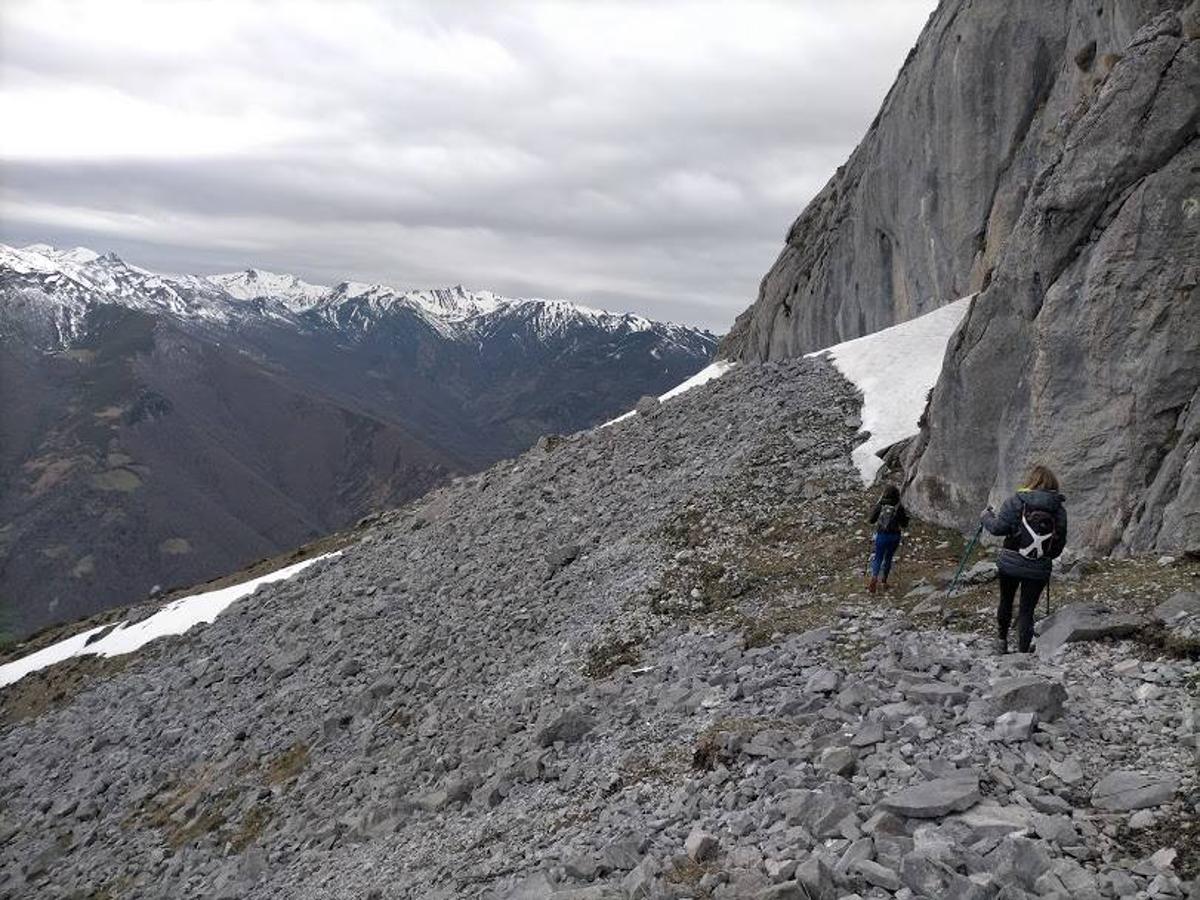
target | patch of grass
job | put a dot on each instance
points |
(186, 812)
(1160, 639)
(1182, 832)
(760, 630)
(571, 818)
(688, 872)
(606, 656)
(250, 828)
(288, 764)
(111, 890)
(668, 766)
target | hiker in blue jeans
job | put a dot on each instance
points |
(890, 519)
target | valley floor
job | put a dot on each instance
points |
(635, 662)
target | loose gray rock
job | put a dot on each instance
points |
(569, 726)
(647, 406)
(1125, 790)
(1183, 603)
(700, 845)
(1015, 726)
(1029, 693)
(933, 799)
(1084, 622)
(875, 874)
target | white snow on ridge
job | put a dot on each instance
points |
(455, 312)
(705, 375)
(254, 283)
(895, 368)
(175, 617)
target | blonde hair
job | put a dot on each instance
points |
(1040, 478)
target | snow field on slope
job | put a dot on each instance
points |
(174, 618)
(895, 368)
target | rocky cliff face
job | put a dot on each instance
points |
(1043, 155)
(1085, 349)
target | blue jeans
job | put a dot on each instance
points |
(885, 548)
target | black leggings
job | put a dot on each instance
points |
(1030, 591)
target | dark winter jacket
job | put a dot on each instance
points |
(1007, 524)
(899, 520)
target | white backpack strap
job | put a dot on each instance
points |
(1035, 550)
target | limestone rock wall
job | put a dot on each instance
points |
(1084, 351)
(1044, 155)
(920, 212)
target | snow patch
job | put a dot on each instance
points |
(895, 368)
(175, 618)
(251, 284)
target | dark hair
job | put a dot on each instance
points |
(891, 494)
(1040, 478)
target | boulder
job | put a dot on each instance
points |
(1015, 726)
(838, 760)
(938, 693)
(820, 812)
(1124, 790)
(568, 726)
(700, 845)
(1028, 693)
(823, 681)
(1084, 622)
(875, 874)
(980, 573)
(933, 799)
(927, 877)
(563, 556)
(817, 879)
(647, 406)
(1185, 603)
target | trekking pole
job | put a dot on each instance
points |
(963, 562)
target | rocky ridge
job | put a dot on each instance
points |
(54, 290)
(634, 662)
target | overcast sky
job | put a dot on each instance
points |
(636, 156)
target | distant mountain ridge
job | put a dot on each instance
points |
(164, 429)
(72, 279)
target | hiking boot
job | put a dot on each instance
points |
(883, 586)
(873, 585)
(1001, 646)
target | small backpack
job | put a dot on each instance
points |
(1038, 537)
(887, 515)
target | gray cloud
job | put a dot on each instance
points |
(640, 156)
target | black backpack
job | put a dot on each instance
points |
(887, 516)
(1038, 537)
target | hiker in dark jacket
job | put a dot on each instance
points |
(889, 518)
(1033, 523)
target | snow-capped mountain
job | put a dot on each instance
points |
(61, 286)
(162, 429)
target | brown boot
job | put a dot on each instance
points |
(883, 586)
(873, 584)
